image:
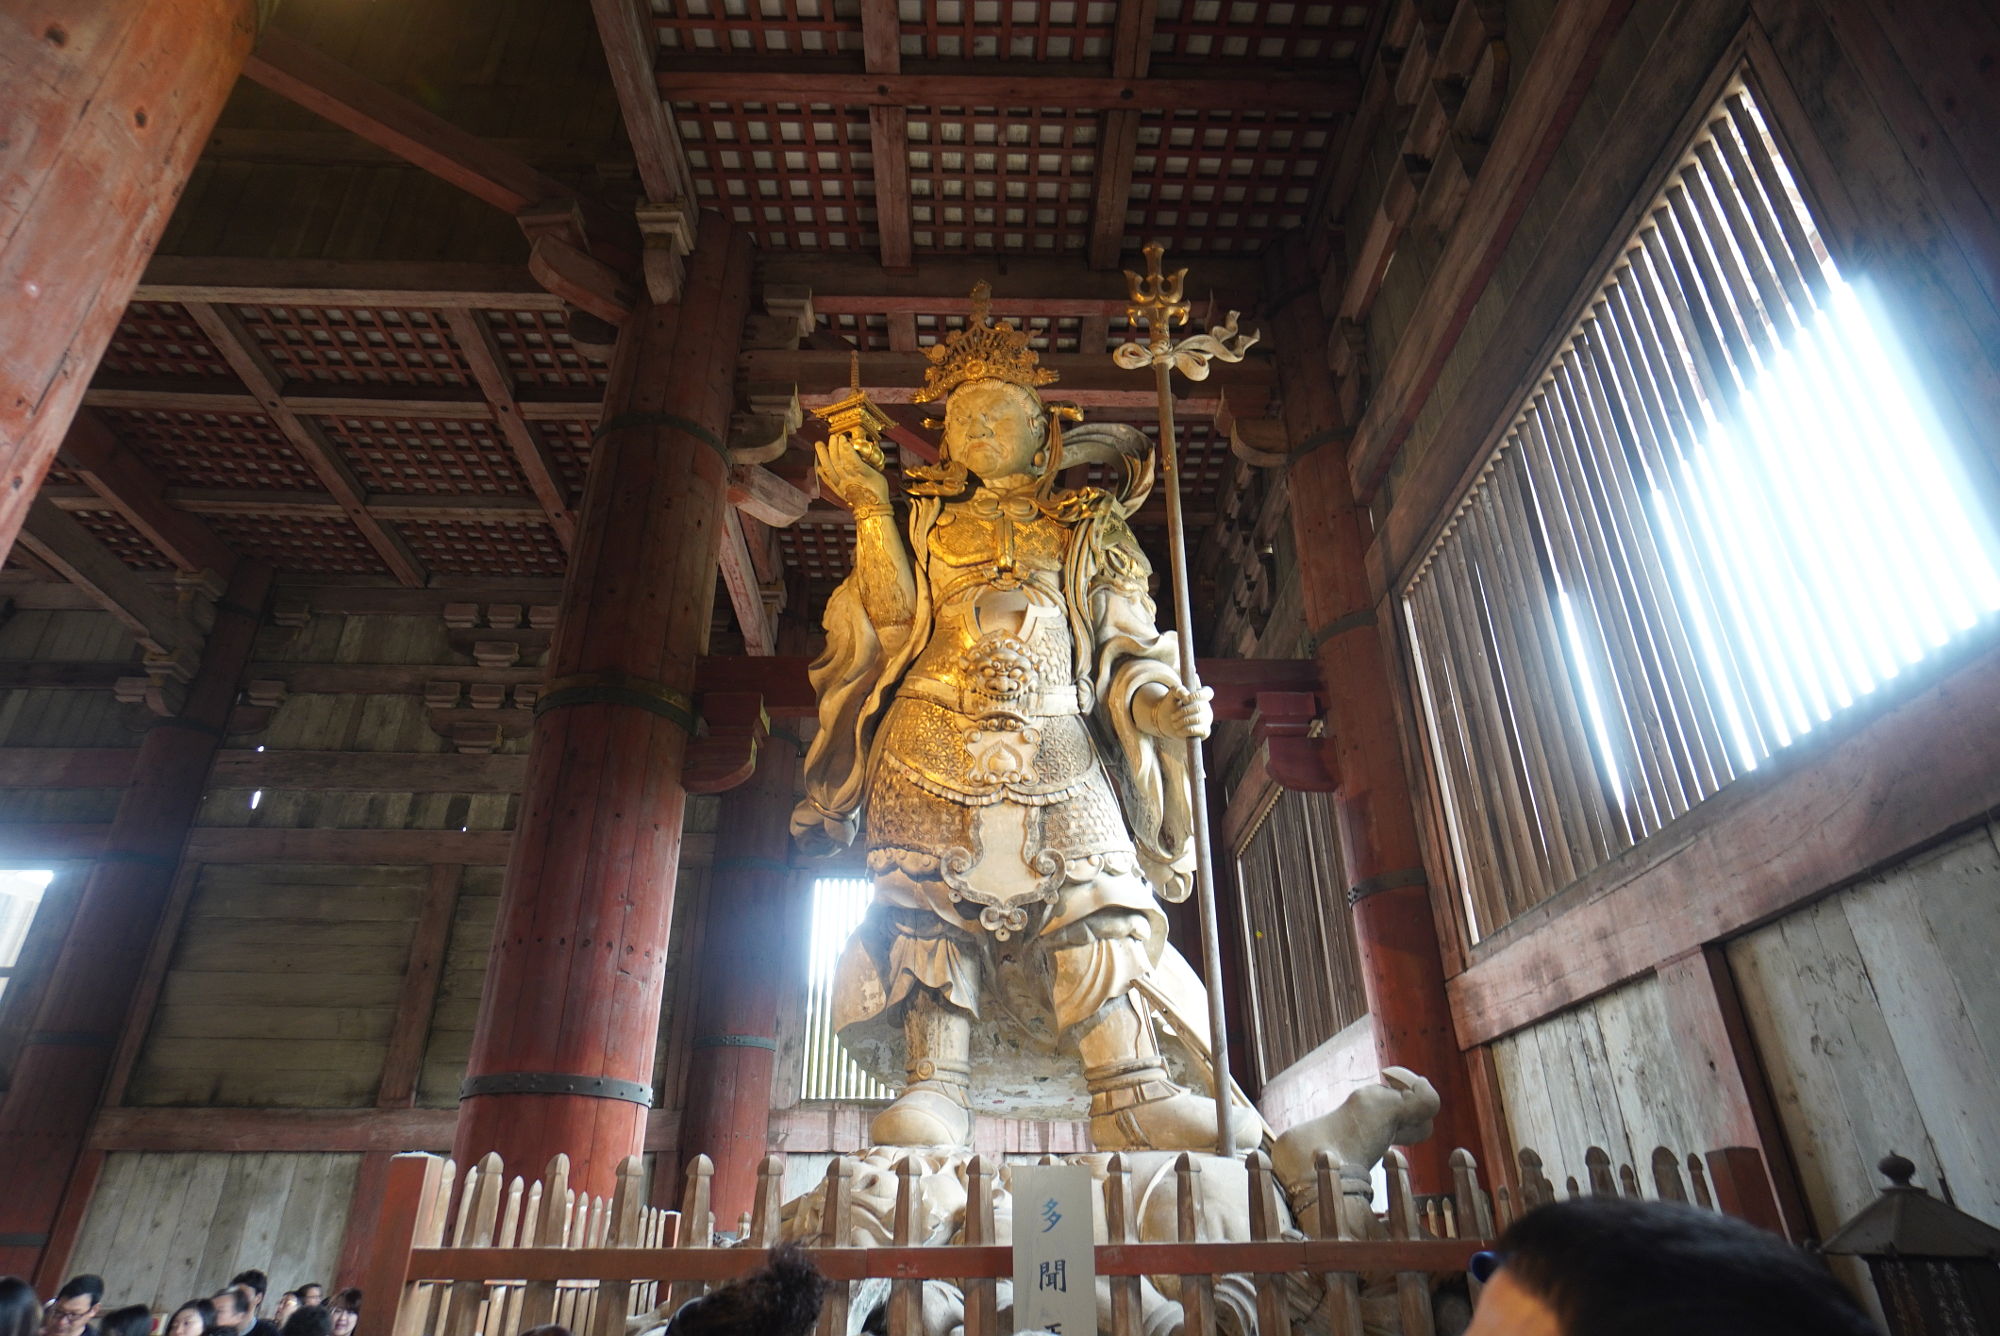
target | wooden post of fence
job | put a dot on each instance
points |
(697, 1231)
(767, 1206)
(906, 1297)
(1265, 1227)
(1343, 1288)
(1475, 1208)
(1743, 1187)
(838, 1229)
(478, 1213)
(981, 1307)
(1118, 1229)
(1667, 1184)
(614, 1293)
(1597, 1168)
(1413, 1288)
(538, 1297)
(1197, 1292)
(407, 1199)
(1536, 1189)
(1698, 1183)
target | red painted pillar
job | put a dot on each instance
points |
(562, 1059)
(1401, 966)
(755, 941)
(105, 109)
(59, 1078)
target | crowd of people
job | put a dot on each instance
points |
(237, 1309)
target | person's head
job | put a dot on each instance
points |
(346, 1309)
(20, 1310)
(996, 429)
(311, 1294)
(781, 1299)
(288, 1304)
(132, 1320)
(257, 1283)
(314, 1321)
(75, 1304)
(233, 1309)
(193, 1318)
(1608, 1266)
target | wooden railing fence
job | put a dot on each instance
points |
(514, 1255)
(1733, 1180)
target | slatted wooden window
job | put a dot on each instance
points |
(20, 896)
(839, 904)
(1298, 936)
(1723, 516)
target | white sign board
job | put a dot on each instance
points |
(1055, 1260)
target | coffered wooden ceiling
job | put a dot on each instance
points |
(343, 362)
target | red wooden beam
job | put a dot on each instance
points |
(1059, 89)
(329, 89)
(1132, 53)
(489, 369)
(134, 491)
(403, 1064)
(629, 48)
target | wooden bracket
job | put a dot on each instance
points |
(667, 233)
(736, 725)
(1287, 725)
(762, 434)
(580, 278)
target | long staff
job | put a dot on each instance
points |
(1156, 299)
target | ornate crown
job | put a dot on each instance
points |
(981, 351)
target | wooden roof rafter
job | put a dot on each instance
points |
(1007, 86)
(888, 135)
(482, 354)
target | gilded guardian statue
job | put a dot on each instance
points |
(1004, 724)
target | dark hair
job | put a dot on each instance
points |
(257, 1282)
(239, 1299)
(20, 1310)
(311, 1320)
(348, 1299)
(782, 1299)
(77, 1287)
(203, 1309)
(310, 1285)
(132, 1320)
(1613, 1267)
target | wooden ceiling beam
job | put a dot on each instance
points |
(894, 378)
(1023, 284)
(1009, 88)
(317, 399)
(1131, 56)
(124, 482)
(56, 537)
(228, 337)
(489, 368)
(330, 90)
(888, 134)
(738, 574)
(346, 283)
(625, 30)
(469, 508)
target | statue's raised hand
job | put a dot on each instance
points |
(855, 480)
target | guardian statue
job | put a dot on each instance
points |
(1003, 724)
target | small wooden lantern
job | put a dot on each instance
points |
(1936, 1269)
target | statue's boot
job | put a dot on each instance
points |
(935, 1108)
(1133, 1103)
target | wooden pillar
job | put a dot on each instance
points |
(562, 1058)
(1402, 969)
(108, 106)
(757, 923)
(59, 1078)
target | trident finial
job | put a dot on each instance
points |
(1156, 298)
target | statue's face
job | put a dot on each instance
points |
(992, 428)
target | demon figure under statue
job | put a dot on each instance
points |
(1004, 724)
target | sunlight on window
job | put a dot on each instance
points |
(21, 891)
(839, 905)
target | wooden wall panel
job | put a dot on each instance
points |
(1602, 1074)
(1877, 1014)
(282, 987)
(166, 1227)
